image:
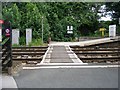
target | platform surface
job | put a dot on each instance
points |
(87, 42)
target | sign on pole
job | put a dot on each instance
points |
(7, 32)
(70, 29)
(112, 30)
(67, 27)
(1, 21)
(103, 31)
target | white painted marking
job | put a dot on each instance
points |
(63, 64)
(45, 55)
(46, 61)
(48, 56)
(50, 51)
(0, 35)
(73, 56)
(102, 66)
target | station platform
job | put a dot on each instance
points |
(87, 42)
(61, 68)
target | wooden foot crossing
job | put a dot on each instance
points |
(60, 55)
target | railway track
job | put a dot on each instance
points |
(100, 53)
(28, 54)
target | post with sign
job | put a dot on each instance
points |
(70, 29)
(15, 36)
(7, 31)
(1, 22)
(112, 30)
(28, 36)
(102, 30)
(0, 34)
(8, 34)
(7, 54)
(119, 21)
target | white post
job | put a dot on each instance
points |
(28, 36)
(15, 36)
(119, 20)
(0, 35)
(42, 29)
(112, 30)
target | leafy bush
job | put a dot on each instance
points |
(22, 40)
(97, 33)
(15, 45)
(36, 42)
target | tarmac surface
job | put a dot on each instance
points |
(68, 78)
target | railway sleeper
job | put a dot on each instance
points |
(28, 53)
(37, 50)
(105, 58)
(101, 61)
(98, 55)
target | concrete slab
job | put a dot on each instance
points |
(0, 81)
(8, 81)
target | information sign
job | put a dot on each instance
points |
(112, 30)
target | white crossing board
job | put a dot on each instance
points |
(0, 35)
(112, 30)
(28, 36)
(15, 36)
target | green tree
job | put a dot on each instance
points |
(13, 14)
(56, 17)
(114, 8)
